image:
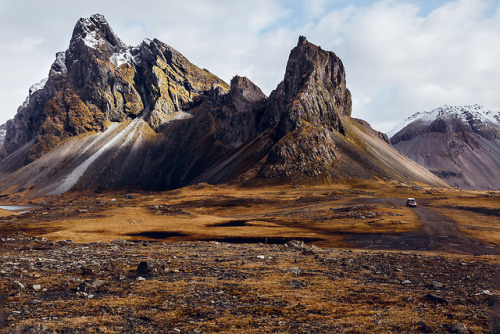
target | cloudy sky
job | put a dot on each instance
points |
(401, 56)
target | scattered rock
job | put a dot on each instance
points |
(297, 284)
(311, 250)
(98, 283)
(298, 244)
(18, 285)
(143, 268)
(436, 285)
(37, 287)
(27, 329)
(485, 292)
(458, 328)
(119, 242)
(213, 281)
(436, 299)
(423, 327)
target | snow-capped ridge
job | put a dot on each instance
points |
(462, 113)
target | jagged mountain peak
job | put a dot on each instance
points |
(310, 67)
(244, 93)
(313, 91)
(94, 31)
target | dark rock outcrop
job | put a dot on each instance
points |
(238, 115)
(312, 92)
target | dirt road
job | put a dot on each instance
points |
(438, 233)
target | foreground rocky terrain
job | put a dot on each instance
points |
(208, 259)
(201, 287)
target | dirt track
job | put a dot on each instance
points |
(438, 233)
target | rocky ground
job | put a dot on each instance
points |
(202, 287)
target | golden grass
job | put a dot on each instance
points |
(321, 212)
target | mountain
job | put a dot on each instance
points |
(113, 116)
(459, 144)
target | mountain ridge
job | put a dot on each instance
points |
(112, 116)
(461, 144)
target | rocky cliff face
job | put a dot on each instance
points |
(459, 144)
(305, 108)
(99, 80)
(115, 116)
(313, 91)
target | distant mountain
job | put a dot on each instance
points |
(113, 116)
(459, 144)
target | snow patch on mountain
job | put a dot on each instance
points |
(463, 113)
(38, 86)
(3, 132)
(33, 89)
(123, 57)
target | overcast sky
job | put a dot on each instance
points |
(401, 56)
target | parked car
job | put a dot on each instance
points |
(411, 202)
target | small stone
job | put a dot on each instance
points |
(485, 292)
(437, 285)
(37, 287)
(311, 250)
(143, 268)
(262, 257)
(434, 298)
(296, 244)
(459, 328)
(406, 282)
(423, 327)
(18, 285)
(140, 278)
(98, 282)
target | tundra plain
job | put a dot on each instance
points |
(346, 257)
